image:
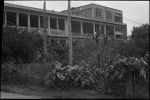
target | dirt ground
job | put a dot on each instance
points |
(36, 91)
(40, 92)
(5, 95)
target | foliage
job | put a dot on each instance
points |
(19, 44)
(140, 35)
(116, 59)
(26, 47)
(120, 68)
(68, 77)
(84, 50)
(57, 52)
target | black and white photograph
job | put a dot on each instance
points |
(73, 49)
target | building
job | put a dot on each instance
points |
(84, 21)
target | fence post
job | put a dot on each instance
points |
(10, 68)
(133, 84)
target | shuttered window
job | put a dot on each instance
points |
(11, 18)
(61, 24)
(75, 27)
(53, 23)
(23, 19)
(87, 28)
(108, 15)
(34, 21)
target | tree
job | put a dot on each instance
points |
(140, 35)
(19, 44)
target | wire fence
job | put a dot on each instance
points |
(32, 73)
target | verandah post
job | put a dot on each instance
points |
(70, 34)
(44, 35)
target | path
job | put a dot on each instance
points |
(5, 95)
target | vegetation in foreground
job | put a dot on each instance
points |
(110, 68)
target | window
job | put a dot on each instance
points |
(23, 19)
(61, 24)
(41, 22)
(87, 28)
(110, 30)
(77, 13)
(118, 29)
(98, 13)
(118, 19)
(108, 15)
(75, 27)
(11, 18)
(118, 36)
(53, 23)
(118, 14)
(97, 28)
(34, 21)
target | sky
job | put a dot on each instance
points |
(135, 13)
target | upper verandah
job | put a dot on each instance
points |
(97, 12)
(32, 9)
(92, 5)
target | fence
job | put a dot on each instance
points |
(35, 74)
(32, 73)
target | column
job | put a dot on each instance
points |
(17, 19)
(122, 18)
(29, 22)
(66, 26)
(57, 23)
(39, 27)
(113, 16)
(81, 28)
(93, 12)
(48, 19)
(104, 14)
(114, 32)
(94, 28)
(105, 29)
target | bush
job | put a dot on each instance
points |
(68, 77)
(120, 68)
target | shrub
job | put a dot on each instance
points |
(68, 77)
(120, 69)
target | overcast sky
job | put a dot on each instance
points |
(135, 13)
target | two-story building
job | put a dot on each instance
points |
(84, 21)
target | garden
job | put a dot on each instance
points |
(108, 66)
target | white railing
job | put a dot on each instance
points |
(118, 33)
